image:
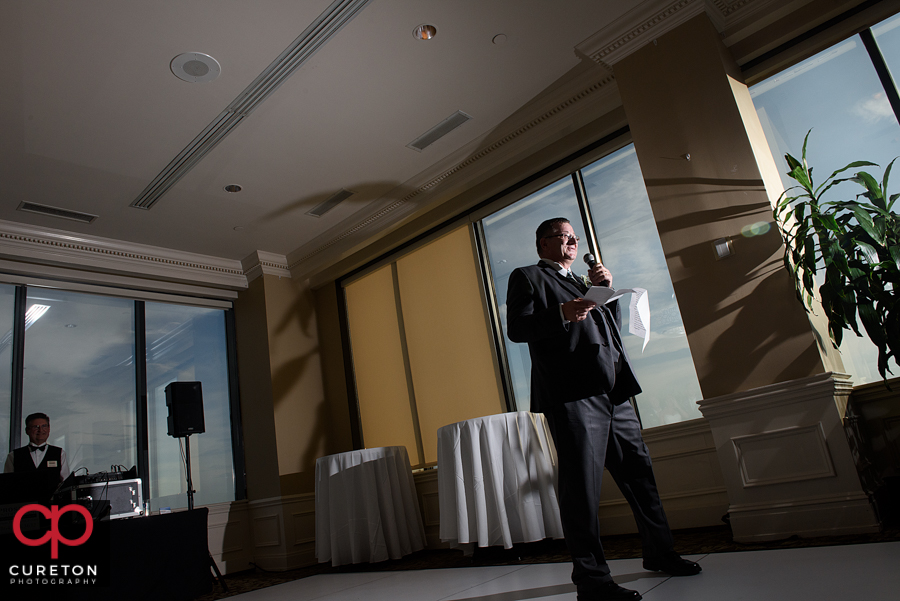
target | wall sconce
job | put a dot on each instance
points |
(723, 248)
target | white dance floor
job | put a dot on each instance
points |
(869, 572)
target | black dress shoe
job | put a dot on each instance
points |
(672, 564)
(610, 591)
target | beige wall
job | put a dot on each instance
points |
(287, 421)
(744, 325)
(257, 413)
(298, 395)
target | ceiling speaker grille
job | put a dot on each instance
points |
(313, 37)
(439, 131)
(332, 202)
(32, 207)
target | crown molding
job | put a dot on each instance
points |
(653, 18)
(638, 27)
(24, 243)
(261, 262)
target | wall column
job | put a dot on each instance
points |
(773, 405)
(288, 422)
(693, 127)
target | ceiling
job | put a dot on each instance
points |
(92, 113)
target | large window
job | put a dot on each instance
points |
(510, 243)
(81, 366)
(421, 346)
(79, 370)
(187, 344)
(629, 245)
(837, 94)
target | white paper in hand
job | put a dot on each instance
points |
(639, 325)
(639, 322)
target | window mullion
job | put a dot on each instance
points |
(881, 68)
(17, 368)
(140, 385)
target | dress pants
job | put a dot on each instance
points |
(590, 433)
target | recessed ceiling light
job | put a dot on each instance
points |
(195, 67)
(233, 188)
(424, 32)
(499, 39)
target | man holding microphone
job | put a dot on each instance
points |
(581, 380)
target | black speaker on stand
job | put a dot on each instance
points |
(185, 403)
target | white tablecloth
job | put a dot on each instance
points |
(497, 481)
(366, 507)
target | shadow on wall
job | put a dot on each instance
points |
(300, 316)
(753, 323)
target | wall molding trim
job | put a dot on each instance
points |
(28, 244)
(651, 19)
(261, 262)
(777, 395)
(787, 463)
(284, 531)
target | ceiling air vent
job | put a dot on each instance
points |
(332, 202)
(31, 207)
(439, 131)
(326, 25)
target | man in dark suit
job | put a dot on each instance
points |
(581, 380)
(38, 455)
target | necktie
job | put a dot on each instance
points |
(578, 283)
(37, 448)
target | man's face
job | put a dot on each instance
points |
(560, 245)
(38, 431)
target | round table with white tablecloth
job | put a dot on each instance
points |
(497, 481)
(366, 507)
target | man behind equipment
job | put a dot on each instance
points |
(581, 380)
(38, 454)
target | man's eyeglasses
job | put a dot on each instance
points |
(566, 237)
(42, 427)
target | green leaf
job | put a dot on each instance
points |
(865, 221)
(887, 174)
(868, 252)
(869, 316)
(803, 178)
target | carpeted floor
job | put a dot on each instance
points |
(687, 542)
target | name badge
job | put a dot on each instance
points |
(51, 464)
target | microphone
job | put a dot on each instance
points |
(591, 261)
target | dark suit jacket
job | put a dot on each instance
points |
(569, 361)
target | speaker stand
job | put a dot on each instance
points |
(190, 495)
(187, 469)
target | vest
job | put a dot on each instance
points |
(22, 460)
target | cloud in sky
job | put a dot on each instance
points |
(873, 109)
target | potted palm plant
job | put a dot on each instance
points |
(854, 244)
(849, 252)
